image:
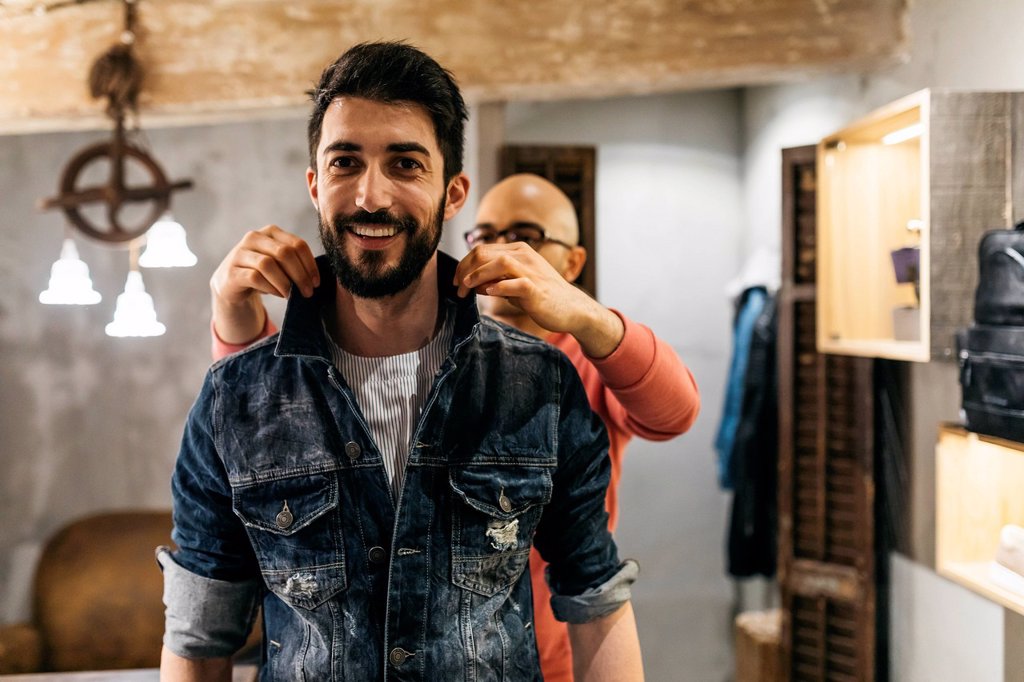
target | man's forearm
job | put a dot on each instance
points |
(174, 668)
(601, 333)
(607, 649)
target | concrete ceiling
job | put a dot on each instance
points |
(209, 59)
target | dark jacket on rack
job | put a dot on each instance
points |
(755, 455)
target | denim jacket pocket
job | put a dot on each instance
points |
(494, 517)
(296, 534)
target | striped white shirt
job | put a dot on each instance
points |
(391, 392)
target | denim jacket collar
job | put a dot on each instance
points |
(302, 329)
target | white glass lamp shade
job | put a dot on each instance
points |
(166, 246)
(69, 280)
(134, 315)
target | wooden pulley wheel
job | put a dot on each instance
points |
(115, 194)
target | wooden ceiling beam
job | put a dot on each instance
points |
(210, 59)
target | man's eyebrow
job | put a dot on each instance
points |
(405, 147)
(519, 223)
(343, 146)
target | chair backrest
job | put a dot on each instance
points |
(98, 592)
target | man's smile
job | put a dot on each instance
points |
(374, 231)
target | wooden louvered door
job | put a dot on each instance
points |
(571, 169)
(826, 490)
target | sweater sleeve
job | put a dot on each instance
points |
(221, 349)
(648, 390)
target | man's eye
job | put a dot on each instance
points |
(344, 162)
(408, 164)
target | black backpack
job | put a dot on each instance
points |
(991, 351)
(999, 298)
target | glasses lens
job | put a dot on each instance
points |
(479, 236)
(530, 235)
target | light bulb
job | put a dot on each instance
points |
(903, 134)
(166, 246)
(69, 280)
(134, 315)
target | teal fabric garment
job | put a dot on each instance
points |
(749, 308)
(755, 458)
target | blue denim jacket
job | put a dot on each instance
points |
(280, 497)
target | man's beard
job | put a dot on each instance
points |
(370, 277)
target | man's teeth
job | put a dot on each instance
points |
(387, 231)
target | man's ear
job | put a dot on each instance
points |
(575, 262)
(311, 181)
(455, 195)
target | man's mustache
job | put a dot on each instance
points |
(381, 217)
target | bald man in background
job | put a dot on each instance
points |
(524, 257)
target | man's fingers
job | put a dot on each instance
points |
(502, 266)
(309, 262)
(519, 288)
(297, 249)
(291, 254)
(492, 261)
(252, 269)
(257, 282)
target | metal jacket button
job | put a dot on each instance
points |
(398, 656)
(504, 503)
(377, 555)
(284, 517)
(353, 450)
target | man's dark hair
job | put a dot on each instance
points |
(393, 72)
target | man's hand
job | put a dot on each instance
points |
(266, 261)
(527, 280)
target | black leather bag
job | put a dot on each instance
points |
(999, 298)
(992, 379)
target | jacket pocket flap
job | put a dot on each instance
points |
(285, 506)
(502, 492)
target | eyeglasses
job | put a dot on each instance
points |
(529, 233)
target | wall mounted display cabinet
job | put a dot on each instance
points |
(978, 499)
(978, 492)
(904, 196)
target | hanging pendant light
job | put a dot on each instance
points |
(166, 246)
(134, 315)
(69, 280)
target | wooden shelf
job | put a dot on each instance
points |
(979, 482)
(937, 187)
(880, 348)
(977, 577)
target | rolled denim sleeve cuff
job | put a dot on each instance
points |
(203, 617)
(597, 601)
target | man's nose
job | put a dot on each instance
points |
(375, 190)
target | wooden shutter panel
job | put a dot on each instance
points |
(826, 458)
(572, 170)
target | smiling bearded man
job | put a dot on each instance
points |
(375, 474)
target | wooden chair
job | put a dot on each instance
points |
(97, 602)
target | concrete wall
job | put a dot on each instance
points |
(668, 228)
(957, 44)
(90, 422)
